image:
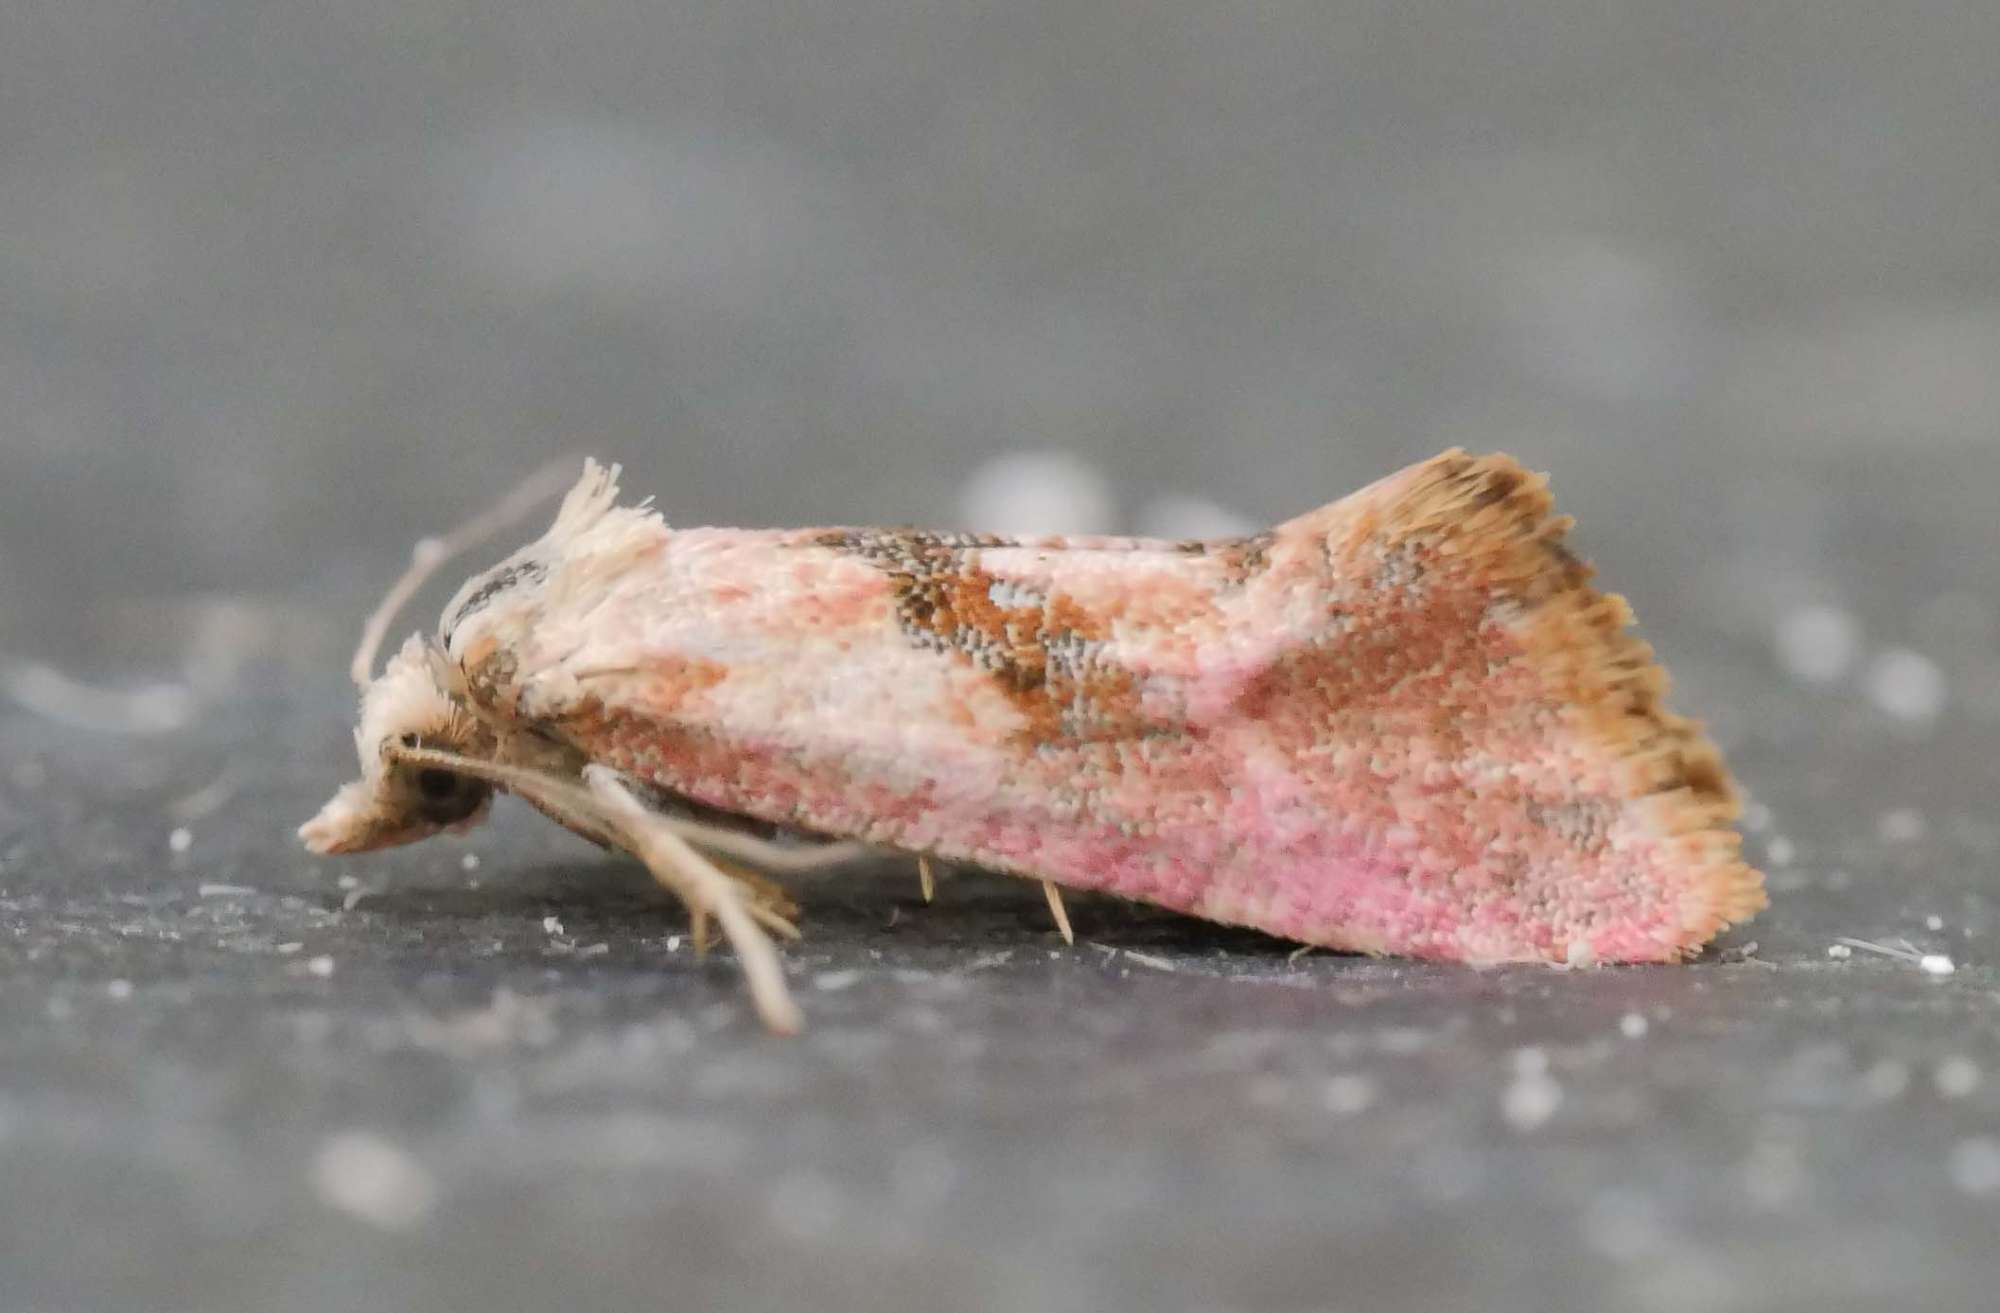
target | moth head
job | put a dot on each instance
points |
(395, 801)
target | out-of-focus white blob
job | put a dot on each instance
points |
(1533, 1096)
(56, 696)
(1177, 516)
(1901, 825)
(1037, 492)
(1957, 1076)
(1817, 644)
(555, 203)
(1908, 685)
(366, 1176)
(1974, 1165)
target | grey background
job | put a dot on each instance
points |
(284, 286)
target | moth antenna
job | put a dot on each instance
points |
(430, 553)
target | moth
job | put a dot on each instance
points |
(1403, 723)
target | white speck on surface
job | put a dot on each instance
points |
(1936, 964)
(469, 862)
(1817, 644)
(348, 882)
(1176, 516)
(1974, 1165)
(1530, 1100)
(321, 966)
(1933, 922)
(119, 989)
(832, 982)
(1957, 1076)
(366, 1176)
(1347, 1095)
(1150, 960)
(1633, 1025)
(1907, 685)
(289, 946)
(1780, 851)
(673, 943)
(180, 839)
(552, 925)
(1037, 492)
(1902, 825)
(223, 890)
(1839, 952)
(1756, 817)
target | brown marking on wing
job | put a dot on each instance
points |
(1241, 559)
(1045, 652)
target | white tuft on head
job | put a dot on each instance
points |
(588, 502)
(374, 811)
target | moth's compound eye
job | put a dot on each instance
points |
(445, 797)
(438, 785)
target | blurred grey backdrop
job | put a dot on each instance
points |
(284, 286)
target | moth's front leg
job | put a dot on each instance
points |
(707, 890)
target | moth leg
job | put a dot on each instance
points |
(1057, 910)
(607, 810)
(925, 880)
(706, 889)
(769, 903)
